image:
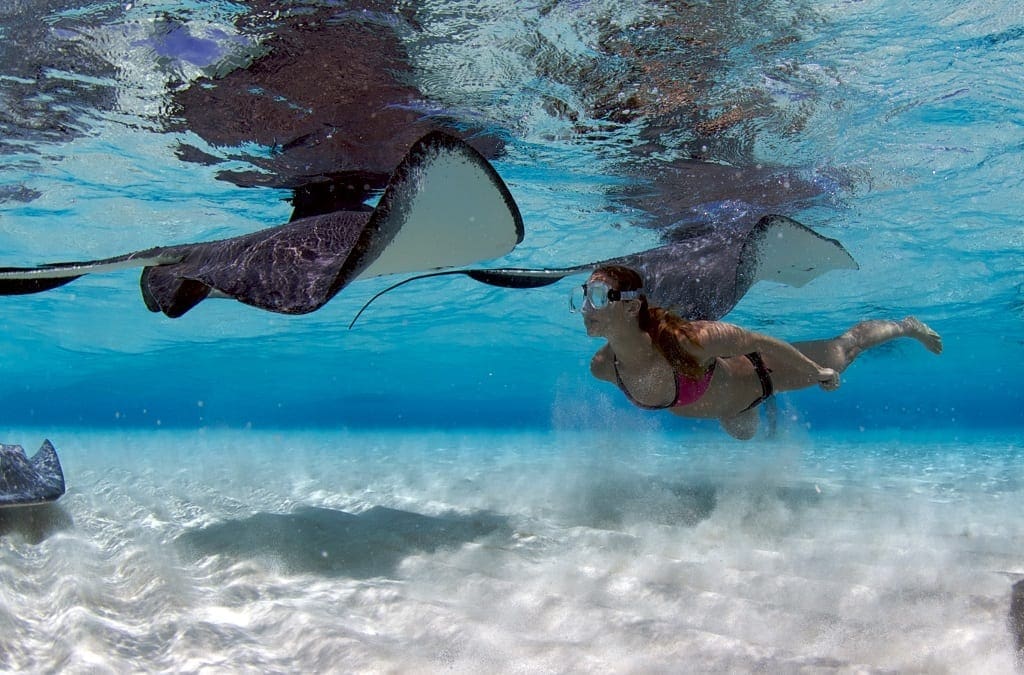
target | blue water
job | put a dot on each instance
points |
(878, 531)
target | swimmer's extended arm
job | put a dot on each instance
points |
(718, 339)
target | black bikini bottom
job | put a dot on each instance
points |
(767, 388)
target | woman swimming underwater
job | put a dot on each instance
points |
(712, 369)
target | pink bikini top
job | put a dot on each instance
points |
(688, 390)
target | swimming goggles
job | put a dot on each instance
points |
(596, 295)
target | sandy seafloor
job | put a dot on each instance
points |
(556, 551)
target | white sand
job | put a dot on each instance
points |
(557, 552)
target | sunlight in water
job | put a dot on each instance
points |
(446, 486)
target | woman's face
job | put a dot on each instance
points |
(603, 308)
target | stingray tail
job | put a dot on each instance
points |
(502, 278)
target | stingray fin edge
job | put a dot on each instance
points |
(28, 286)
(29, 280)
(46, 462)
(757, 264)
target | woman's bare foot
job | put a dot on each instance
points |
(918, 330)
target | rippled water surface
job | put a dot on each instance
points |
(445, 487)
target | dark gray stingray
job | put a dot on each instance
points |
(444, 206)
(703, 276)
(25, 481)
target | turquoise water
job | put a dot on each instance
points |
(560, 529)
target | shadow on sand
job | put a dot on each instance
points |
(612, 501)
(336, 543)
(1015, 621)
(34, 523)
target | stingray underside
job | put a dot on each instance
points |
(25, 481)
(782, 250)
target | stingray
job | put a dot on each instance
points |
(702, 276)
(25, 481)
(444, 206)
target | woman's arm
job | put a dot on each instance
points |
(722, 340)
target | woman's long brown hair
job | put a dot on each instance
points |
(668, 331)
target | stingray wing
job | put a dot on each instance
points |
(702, 276)
(25, 280)
(782, 250)
(444, 206)
(291, 269)
(24, 481)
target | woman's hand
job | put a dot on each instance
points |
(828, 379)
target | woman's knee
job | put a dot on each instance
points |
(742, 426)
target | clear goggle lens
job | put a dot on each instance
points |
(596, 296)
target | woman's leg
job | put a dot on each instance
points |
(839, 352)
(742, 426)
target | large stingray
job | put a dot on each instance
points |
(444, 206)
(702, 276)
(25, 481)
